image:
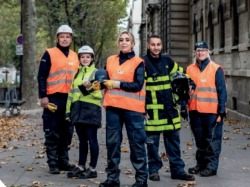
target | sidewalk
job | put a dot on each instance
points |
(23, 161)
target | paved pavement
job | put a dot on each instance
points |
(23, 162)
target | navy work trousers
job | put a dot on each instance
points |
(58, 132)
(208, 138)
(134, 124)
(87, 134)
(172, 146)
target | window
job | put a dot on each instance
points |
(222, 27)
(211, 30)
(194, 29)
(235, 20)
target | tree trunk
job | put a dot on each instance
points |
(29, 84)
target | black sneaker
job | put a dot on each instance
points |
(76, 172)
(154, 176)
(67, 167)
(53, 169)
(208, 173)
(109, 183)
(88, 174)
(140, 184)
(183, 176)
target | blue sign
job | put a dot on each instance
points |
(19, 40)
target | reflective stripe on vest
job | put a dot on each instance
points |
(134, 101)
(62, 70)
(205, 98)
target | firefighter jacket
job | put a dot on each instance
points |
(134, 101)
(84, 108)
(62, 70)
(205, 97)
(160, 102)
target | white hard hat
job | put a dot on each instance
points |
(64, 29)
(86, 49)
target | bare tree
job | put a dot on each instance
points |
(29, 84)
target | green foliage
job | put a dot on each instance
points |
(94, 23)
(9, 30)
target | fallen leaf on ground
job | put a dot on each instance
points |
(189, 143)
(128, 171)
(187, 184)
(124, 150)
(164, 157)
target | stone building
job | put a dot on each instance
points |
(223, 24)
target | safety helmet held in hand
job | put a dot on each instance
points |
(101, 75)
(86, 49)
(180, 85)
(64, 29)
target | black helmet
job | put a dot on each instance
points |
(180, 85)
(100, 75)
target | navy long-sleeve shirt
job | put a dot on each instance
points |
(220, 86)
(44, 69)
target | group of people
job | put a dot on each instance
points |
(139, 94)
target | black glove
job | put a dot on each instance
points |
(184, 113)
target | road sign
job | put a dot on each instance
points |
(19, 40)
(19, 49)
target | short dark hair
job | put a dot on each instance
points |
(153, 36)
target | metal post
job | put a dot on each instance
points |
(21, 56)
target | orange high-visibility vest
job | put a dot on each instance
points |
(134, 101)
(205, 97)
(62, 70)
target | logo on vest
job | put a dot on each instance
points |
(203, 80)
(120, 72)
(71, 63)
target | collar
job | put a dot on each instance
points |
(62, 48)
(127, 55)
(203, 64)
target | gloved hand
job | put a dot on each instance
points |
(110, 84)
(96, 85)
(184, 113)
(52, 107)
(67, 119)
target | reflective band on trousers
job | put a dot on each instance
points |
(61, 72)
(59, 82)
(126, 94)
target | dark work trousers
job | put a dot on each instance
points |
(134, 124)
(58, 132)
(87, 134)
(172, 146)
(208, 138)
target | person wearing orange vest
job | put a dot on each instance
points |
(124, 101)
(57, 68)
(207, 107)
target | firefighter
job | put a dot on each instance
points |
(125, 104)
(207, 107)
(57, 68)
(162, 115)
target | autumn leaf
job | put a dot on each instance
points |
(189, 143)
(128, 171)
(124, 150)
(164, 157)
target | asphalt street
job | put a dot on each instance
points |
(23, 160)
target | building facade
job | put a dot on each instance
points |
(223, 24)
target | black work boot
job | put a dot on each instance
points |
(208, 173)
(154, 176)
(140, 184)
(194, 170)
(109, 183)
(66, 167)
(183, 176)
(53, 169)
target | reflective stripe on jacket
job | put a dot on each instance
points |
(84, 108)
(134, 101)
(160, 102)
(62, 70)
(205, 97)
